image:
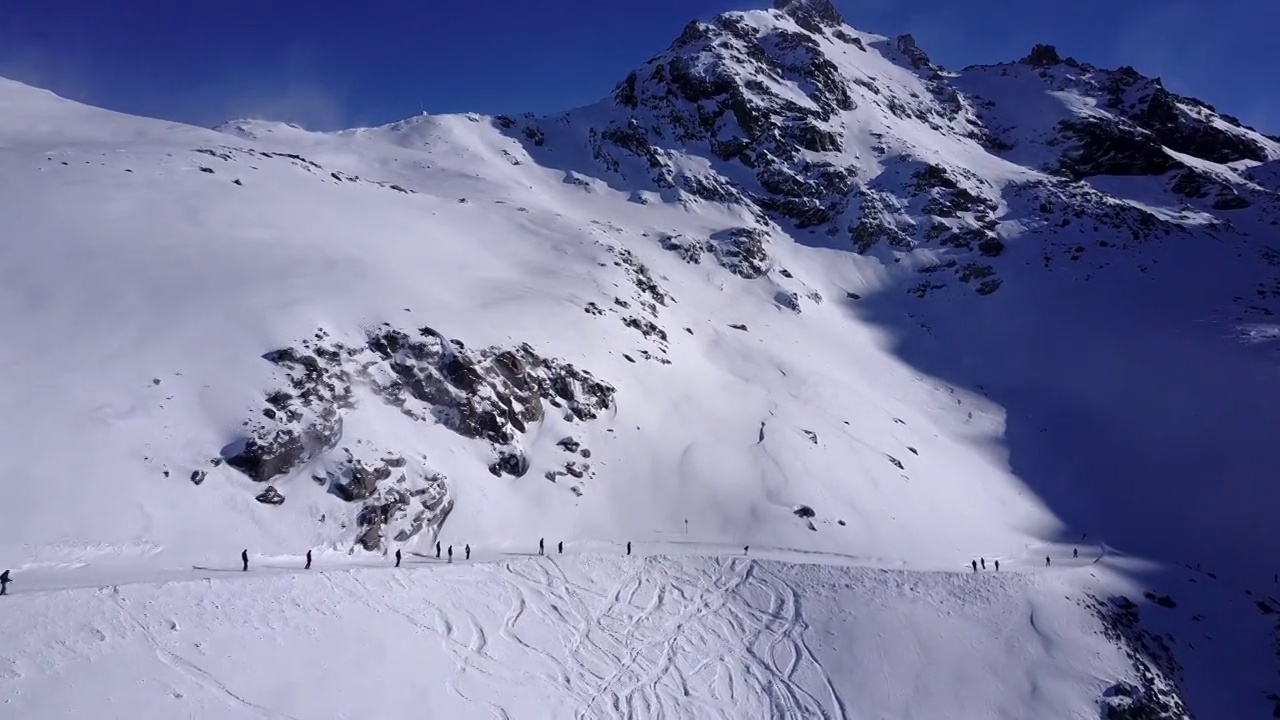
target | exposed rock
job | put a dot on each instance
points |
(812, 15)
(1155, 694)
(198, 476)
(906, 44)
(1042, 56)
(804, 511)
(492, 395)
(569, 444)
(510, 463)
(788, 300)
(742, 251)
(270, 496)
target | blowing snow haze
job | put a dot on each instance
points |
(789, 340)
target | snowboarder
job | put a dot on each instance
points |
(450, 553)
(1075, 552)
(560, 547)
(4, 582)
(974, 563)
(437, 549)
(983, 563)
(628, 547)
(397, 557)
(468, 549)
(997, 566)
(308, 567)
(244, 558)
(1046, 561)
(540, 546)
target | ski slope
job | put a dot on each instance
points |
(572, 636)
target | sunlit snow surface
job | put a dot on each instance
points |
(146, 267)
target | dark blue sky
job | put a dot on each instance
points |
(327, 64)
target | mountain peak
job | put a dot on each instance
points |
(812, 15)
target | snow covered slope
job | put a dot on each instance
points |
(792, 285)
(588, 636)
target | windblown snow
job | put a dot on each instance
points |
(812, 321)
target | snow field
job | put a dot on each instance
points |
(582, 636)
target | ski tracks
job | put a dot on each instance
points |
(193, 671)
(723, 638)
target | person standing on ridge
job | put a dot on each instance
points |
(397, 557)
(437, 549)
(450, 553)
(983, 563)
(974, 563)
(560, 547)
(540, 546)
(1046, 561)
(308, 567)
(4, 582)
(468, 550)
(628, 547)
(244, 558)
(997, 566)
(1075, 552)
(746, 549)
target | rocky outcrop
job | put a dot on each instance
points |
(816, 16)
(492, 395)
(395, 497)
(270, 496)
(1154, 693)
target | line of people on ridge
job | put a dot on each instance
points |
(1048, 561)
(746, 550)
(542, 549)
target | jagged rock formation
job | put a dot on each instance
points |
(1155, 695)
(817, 128)
(493, 395)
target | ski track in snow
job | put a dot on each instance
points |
(701, 636)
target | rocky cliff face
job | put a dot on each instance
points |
(865, 143)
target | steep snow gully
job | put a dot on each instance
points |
(791, 286)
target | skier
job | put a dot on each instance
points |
(450, 553)
(437, 549)
(628, 547)
(560, 547)
(1046, 561)
(983, 562)
(1075, 552)
(468, 551)
(997, 566)
(244, 558)
(4, 582)
(397, 557)
(308, 567)
(540, 546)
(974, 563)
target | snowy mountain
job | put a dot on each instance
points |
(791, 286)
